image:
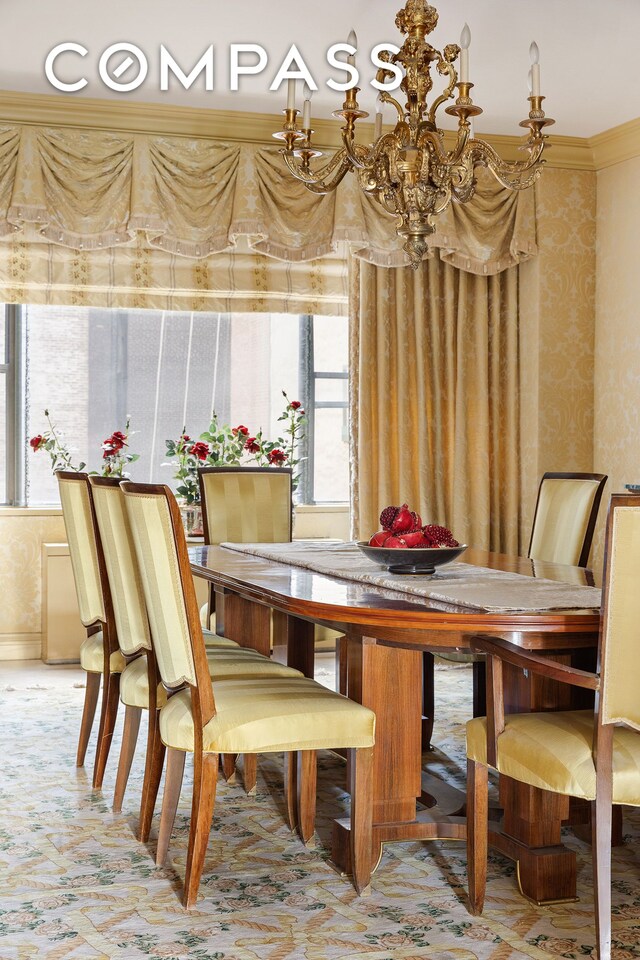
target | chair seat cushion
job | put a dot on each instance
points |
(223, 664)
(261, 716)
(553, 751)
(92, 655)
(212, 639)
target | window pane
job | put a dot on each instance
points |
(3, 438)
(331, 456)
(331, 390)
(166, 370)
(331, 344)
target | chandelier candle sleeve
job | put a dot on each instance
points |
(306, 109)
(377, 133)
(291, 94)
(465, 41)
(534, 53)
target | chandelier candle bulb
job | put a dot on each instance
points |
(534, 53)
(353, 40)
(465, 40)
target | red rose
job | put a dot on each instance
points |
(106, 454)
(295, 405)
(252, 446)
(119, 437)
(200, 450)
(113, 443)
(185, 437)
(240, 429)
(36, 442)
(277, 456)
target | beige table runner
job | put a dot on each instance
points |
(458, 583)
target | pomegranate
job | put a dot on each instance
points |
(403, 521)
(395, 543)
(379, 539)
(415, 538)
(387, 517)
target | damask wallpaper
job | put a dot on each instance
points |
(617, 329)
(557, 315)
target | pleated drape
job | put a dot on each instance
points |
(434, 363)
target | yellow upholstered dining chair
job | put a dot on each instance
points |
(562, 532)
(246, 716)
(248, 505)
(99, 654)
(225, 658)
(591, 754)
(244, 505)
(565, 517)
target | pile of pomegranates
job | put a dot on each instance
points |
(403, 528)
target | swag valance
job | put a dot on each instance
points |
(195, 199)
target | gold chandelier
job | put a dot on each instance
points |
(409, 171)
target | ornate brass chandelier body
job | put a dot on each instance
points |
(409, 171)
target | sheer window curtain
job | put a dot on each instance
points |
(434, 359)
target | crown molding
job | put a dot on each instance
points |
(575, 153)
(616, 145)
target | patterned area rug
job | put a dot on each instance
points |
(76, 884)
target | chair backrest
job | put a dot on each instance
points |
(169, 592)
(129, 609)
(246, 504)
(620, 615)
(85, 551)
(565, 517)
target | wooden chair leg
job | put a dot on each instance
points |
(109, 712)
(291, 787)
(479, 669)
(477, 833)
(428, 699)
(250, 772)
(361, 837)
(204, 797)
(152, 774)
(229, 767)
(172, 787)
(307, 777)
(601, 854)
(341, 665)
(127, 749)
(88, 713)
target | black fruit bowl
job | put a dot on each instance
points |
(411, 560)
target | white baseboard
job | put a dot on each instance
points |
(20, 646)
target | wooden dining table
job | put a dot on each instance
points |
(260, 601)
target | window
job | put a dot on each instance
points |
(92, 367)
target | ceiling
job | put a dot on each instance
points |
(588, 51)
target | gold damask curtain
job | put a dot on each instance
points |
(434, 399)
(124, 219)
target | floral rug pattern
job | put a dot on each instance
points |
(74, 882)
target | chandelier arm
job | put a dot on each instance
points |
(433, 138)
(387, 98)
(317, 182)
(444, 67)
(481, 151)
(359, 156)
